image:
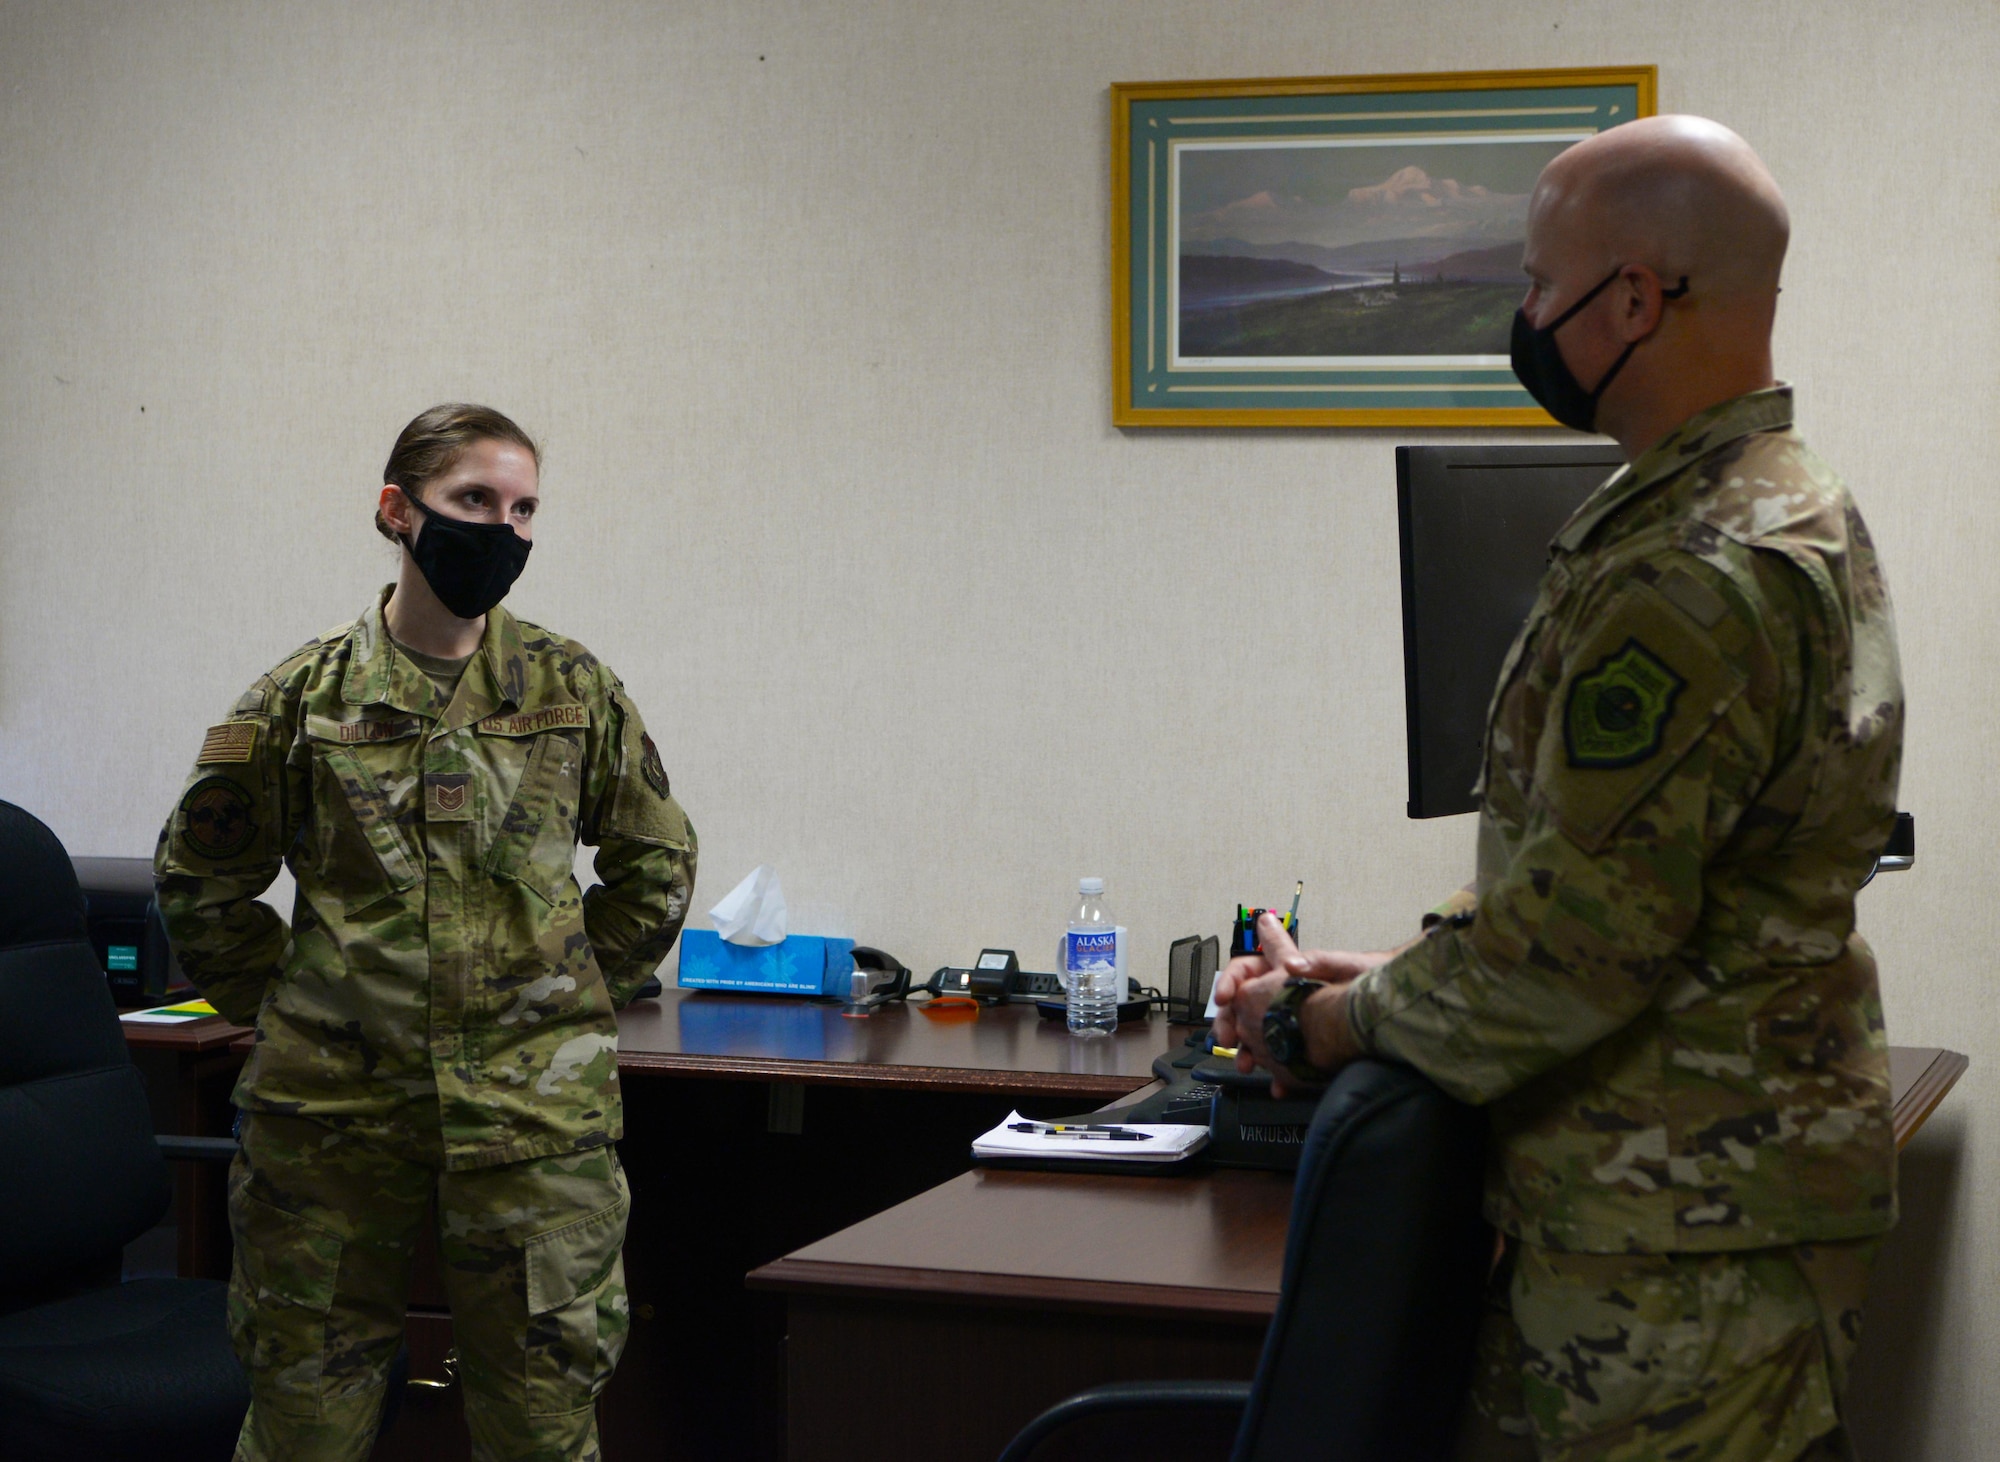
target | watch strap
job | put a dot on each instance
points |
(1286, 1006)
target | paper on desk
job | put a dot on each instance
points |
(753, 912)
(171, 1014)
(1170, 1143)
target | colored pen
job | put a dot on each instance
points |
(1081, 1133)
(1296, 893)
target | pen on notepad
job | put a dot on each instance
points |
(1083, 1131)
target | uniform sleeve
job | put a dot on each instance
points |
(645, 848)
(222, 846)
(1461, 904)
(1656, 738)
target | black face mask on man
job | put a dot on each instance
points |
(1539, 363)
(469, 566)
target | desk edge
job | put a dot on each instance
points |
(908, 1078)
(194, 1038)
(1110, 1086)
(826, 1280)
(1926, 1092)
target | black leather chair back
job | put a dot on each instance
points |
(1369, 1354)
(80, 1173)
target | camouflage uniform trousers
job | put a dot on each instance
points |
(1720, 1357)
(325, 1226)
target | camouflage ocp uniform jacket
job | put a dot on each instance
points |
(1691, 765)
(442, 979)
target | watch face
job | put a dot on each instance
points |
(1280, 1036)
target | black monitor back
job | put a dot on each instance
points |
(1476, 524)
(126, 930)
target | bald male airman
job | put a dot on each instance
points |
(1654, 984)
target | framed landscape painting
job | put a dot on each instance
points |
(1339, 251)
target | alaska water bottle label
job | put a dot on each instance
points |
(1091, 952)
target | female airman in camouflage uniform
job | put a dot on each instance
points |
(435, 1028)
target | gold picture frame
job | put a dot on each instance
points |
(1264, 275)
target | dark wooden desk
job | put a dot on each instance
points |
(205, 1036)
(756, 1125)
(753, 1125)
(190, 1070)
(1048, 1282)
(999, 1051)
(1002, 1050)
(1919, 1077)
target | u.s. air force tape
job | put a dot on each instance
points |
(232, 741)
(529, 723)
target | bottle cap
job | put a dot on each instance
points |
(1090, 885)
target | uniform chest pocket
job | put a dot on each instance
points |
(364, 853)
(536, 842)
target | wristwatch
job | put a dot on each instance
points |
(1284, 1037)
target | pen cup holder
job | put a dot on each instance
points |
(1244, 940)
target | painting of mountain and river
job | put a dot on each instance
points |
(1330, 250)
(1335, 250)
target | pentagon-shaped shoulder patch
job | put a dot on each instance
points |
(1618, 710)
(650, 764)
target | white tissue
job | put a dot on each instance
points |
(753, 912)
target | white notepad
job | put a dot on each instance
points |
(170, 1014)
(1165, 1142)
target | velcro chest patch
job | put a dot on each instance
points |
(448, 797)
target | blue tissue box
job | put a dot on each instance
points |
(800, 964)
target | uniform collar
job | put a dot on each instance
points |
(1767, 410)
(379, 674)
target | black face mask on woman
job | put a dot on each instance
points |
(1539, 363)
(469, 566)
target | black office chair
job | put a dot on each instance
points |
(1369, 1354)
(89, 1368)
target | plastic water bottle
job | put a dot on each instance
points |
(1090, 963)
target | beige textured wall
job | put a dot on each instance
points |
(808, 302)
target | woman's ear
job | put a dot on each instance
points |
(394, 509)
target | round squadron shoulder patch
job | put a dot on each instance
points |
(652, 766)
(1618, 710)
(215, 819)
